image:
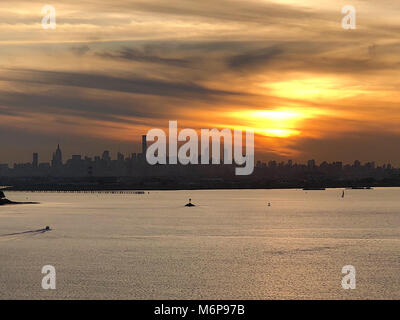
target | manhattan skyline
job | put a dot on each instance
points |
(57, 159)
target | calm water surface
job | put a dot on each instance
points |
(230, 246)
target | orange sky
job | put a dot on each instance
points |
(287, 69)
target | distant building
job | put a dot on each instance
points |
(35, 161)
(144, 145)
(120, 157)
(3, 169)
(311, 164)
(272, 164)
(44, 166)
(106, 156)
(57, 158)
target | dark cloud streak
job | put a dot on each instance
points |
(133, 84)
(133, 54)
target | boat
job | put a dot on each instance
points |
(190, 204)
(361, 188)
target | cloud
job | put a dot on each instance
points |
(254, 58)
(238, 11)
(129, 84)
(133, 54)
(64, 102)
(80, 50)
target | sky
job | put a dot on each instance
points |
(112, 70)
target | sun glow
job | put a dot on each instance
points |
(274, 123)
(316, 88)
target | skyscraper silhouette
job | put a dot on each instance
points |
(35, 160)
(144, 145)
(57, 158)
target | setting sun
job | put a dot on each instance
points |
(274, 123)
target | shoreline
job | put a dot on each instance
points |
(6, 202)
(143, 190)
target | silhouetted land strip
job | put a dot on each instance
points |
(4, 202)
(273, 176)
(141, 186)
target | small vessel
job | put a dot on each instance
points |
(362, 188)
(190, 204)
(343, 194)
(269, 204)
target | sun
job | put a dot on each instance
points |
(278, 122)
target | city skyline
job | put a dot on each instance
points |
(57, 159)
(134, 172)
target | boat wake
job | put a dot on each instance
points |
(19, 235)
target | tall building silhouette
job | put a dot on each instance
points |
(106, 156)
(311, 164)
(144, 145)
(57, 158)
(35, 160)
